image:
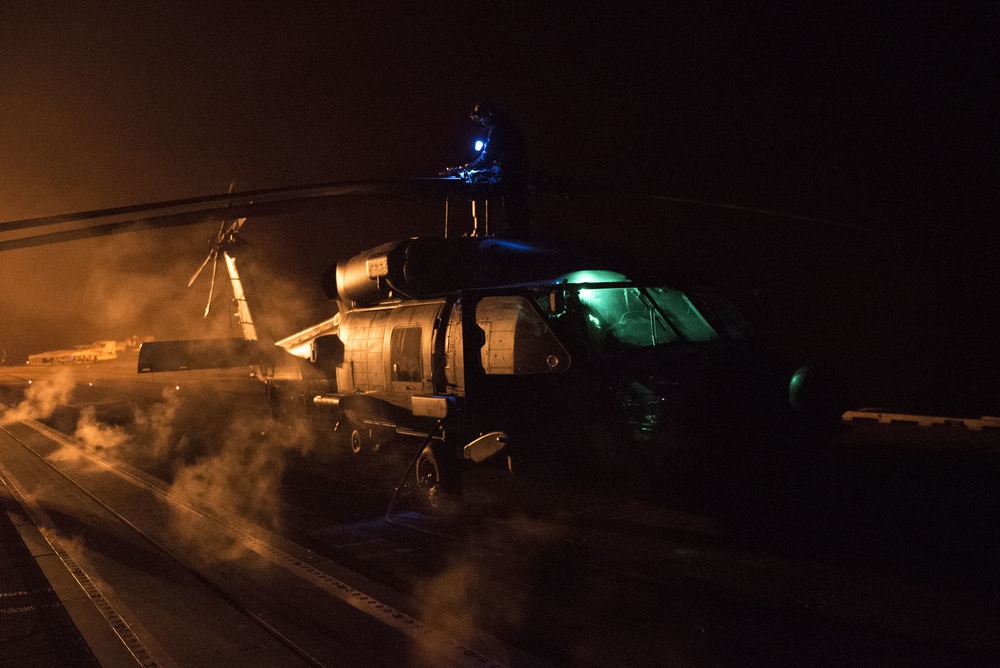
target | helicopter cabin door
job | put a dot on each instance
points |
(515, 364)
(409, 340)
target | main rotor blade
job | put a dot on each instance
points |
(211, 287)
(269, 201)
(100, 231)
(308, 198)
(208, 257)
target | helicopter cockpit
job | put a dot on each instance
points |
(618, 313)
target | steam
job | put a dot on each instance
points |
(94, 435)
(220, 450)
(473, 592)
(42, 398)
(215, 453)
(128, 292)
(282, 304)
(243, 478)
(155, 424)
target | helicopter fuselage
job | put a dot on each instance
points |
(586, 362)
(561, 357)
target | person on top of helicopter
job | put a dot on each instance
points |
(503, 163)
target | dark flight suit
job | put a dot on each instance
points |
(504, 147)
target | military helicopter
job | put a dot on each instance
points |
(480, 345)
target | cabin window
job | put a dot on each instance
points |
(404, 354)
(517, 338)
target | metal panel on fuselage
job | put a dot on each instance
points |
(372, 366)
(363, 334)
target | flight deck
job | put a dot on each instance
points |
(153, 536)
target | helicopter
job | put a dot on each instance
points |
(480, 345)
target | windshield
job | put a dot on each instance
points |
(683, 315)
(642, 316)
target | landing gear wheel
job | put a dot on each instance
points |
(362, 440)
(438, 476)
(357, 441)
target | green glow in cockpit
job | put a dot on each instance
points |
(594, 276)
(642, 317)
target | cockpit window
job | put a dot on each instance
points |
(642, 317)
(724, 317)
(624, 315)
(683, 315)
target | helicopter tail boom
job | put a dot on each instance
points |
(157, 356)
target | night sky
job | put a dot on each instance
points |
(878, 124)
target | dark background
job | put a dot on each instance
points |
(872, 128)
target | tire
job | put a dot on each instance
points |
(437, 476)
(356, 441)
(363, 440)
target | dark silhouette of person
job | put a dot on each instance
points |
(502, 162)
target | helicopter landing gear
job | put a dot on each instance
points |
(356, 441)
(438, 475)
(361, 439)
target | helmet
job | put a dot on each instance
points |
(483, 113)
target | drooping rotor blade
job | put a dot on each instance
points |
(204, 263)
(297, 199)
(213, 252)
(211, 287)
(259, 202)
(99, 231)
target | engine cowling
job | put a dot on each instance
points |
(421, 267)
(368, 277)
